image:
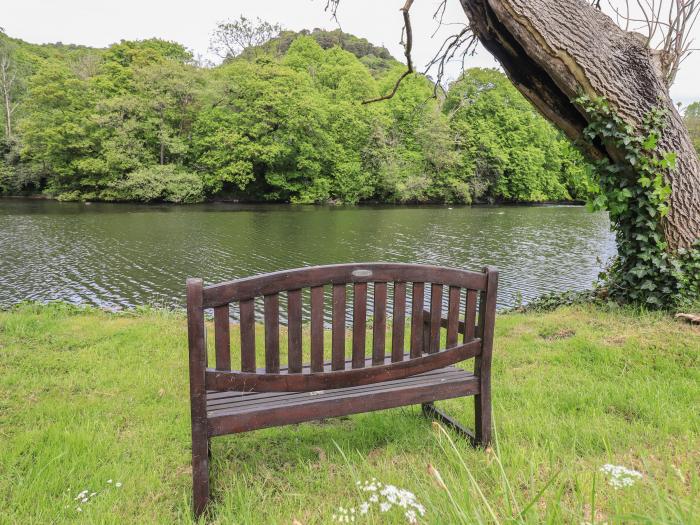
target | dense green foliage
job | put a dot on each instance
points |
(692, 120)
(280, 122)
(377, 59)
(512, 152)
(635, 191)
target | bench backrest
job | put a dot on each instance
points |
(469, 297)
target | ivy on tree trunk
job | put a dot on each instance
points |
(562, 53)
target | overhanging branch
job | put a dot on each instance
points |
(407, 41)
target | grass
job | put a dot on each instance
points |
(88, 396)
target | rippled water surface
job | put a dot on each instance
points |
(119, 255)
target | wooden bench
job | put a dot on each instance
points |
(259, 395)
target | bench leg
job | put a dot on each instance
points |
(200, 471)
(430, 410)
(482, 411)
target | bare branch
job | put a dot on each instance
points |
(464, 43)
(230, 38)
(407, 41)
(332, 6)
(439, 15)
(668, 25)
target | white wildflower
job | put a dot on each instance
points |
(109, 481)
(118, 484)
(620, 476)
(384, 498)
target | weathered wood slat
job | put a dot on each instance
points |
(222, 337)
(317, 328)
(196, 333)
(417, 319)
(216, 380)
(345, 405)
(337, 274)
(470, 316)
(482, 365)
(338, 327)
(246, 402)
(272, 333)
(359, 324)
(398, 327)
(435, 318)
(379, 323)
(294, 356)
(453, 316)
(247, 327)
(327, 367)
(443, 321)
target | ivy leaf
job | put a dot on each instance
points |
(669, 160)
(651, 142)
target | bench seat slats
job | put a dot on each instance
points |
(217, 400)
(298, 407)
(239, 405)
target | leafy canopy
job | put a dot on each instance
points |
(280, 121)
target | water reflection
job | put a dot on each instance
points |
(125, 255)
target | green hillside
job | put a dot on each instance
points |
(282, 121)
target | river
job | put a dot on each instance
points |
(123, 255)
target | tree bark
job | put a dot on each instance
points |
(555, 50)
(6, 81)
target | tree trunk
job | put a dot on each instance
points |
(6, 87)
(555, 50)
(8, 117)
